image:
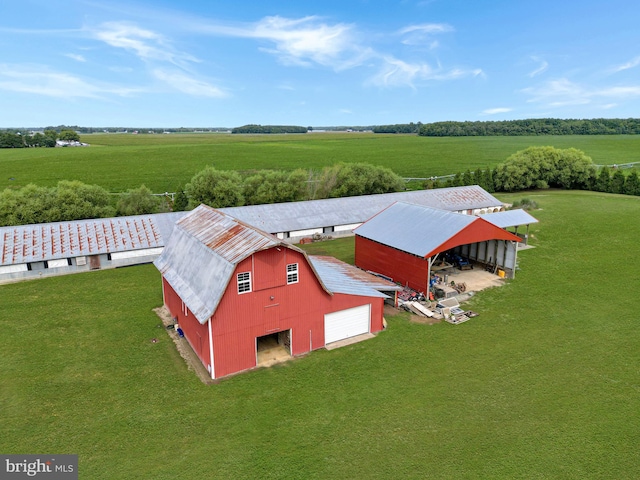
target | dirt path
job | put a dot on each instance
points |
(183, 347)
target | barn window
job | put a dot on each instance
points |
(292, 273)
(244, 282)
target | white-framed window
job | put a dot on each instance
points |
(244, 282)
(292, 273)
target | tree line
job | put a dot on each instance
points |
(269, 129)
(537, 126)
(74, 200)
(47, 139)
(547, 167)
(398, 128)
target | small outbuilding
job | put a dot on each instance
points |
(232, 287)
(404, 241)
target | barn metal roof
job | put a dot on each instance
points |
(50, 241)
(202, 253)
(414, 228)
(509, 218)
(423, 231)
(207, 244)
(340, 277)
(293, 216)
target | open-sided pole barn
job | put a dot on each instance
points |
(404, 241)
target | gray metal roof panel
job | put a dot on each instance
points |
(509, 218)
(195, 272)
(414, 228)
(339, 277)
(202, 253)
(293, 216)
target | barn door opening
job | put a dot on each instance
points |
(273, 348)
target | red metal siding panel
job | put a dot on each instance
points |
(196, 334)
(402, 267)
(479, 231)
(269, 269)
(241, 318)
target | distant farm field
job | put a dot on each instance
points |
(544, 383)
(119, 162)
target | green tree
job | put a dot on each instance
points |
(467, 178)
(632, 183)
(603, 183)
(544, 167)
(69, 136)
(457, 180)
(75, 200)
(352, 179)
(216, 188)
(272, 186)
(51, 134)
(28, 205)
(138, 201)
(11, 140)
(617, 182)
(180, 201)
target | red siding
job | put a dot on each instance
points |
(241, 318)
(402, 267)
(196, 334)
(478, 231)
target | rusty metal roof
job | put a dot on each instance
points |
(202, 253)
(49, 241)
(207, 244)
(228, 237)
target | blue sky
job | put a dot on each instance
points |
(225, 64)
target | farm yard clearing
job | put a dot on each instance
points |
(551, 389)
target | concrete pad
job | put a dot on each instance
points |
(349, 341)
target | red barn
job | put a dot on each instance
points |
(404, 240)
(231, 286)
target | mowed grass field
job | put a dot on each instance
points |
(164, 163)
(544, 383)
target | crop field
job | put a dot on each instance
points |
(544, 383)
(164, 163)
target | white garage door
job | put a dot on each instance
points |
(346, 323)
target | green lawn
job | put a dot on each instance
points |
(119, 162)
(545, 383)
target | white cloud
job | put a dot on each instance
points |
(313, 41)
(563, 92)
(421, 34)
(495, 111)
(303, 41)
(542, 67)
(76, 57)
(626, 66)
(189, 85)
(38, 80)
(395, 73)
(145, 44)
